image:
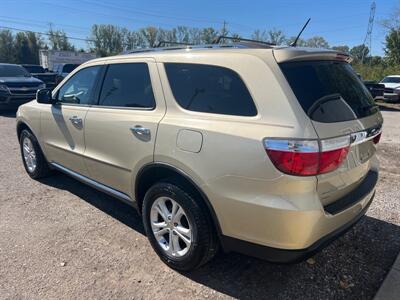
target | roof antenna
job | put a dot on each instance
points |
(294, 44)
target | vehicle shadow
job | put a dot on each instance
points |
(389, 107)
(120, 211)
(9, 113)
(353, 266)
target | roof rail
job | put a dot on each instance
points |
(239, 39)
(164, 43)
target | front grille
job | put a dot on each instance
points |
(22, 91)
(20, 84)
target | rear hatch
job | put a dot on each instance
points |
(338, 105)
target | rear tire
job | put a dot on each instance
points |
(32, 156)
(190, 218)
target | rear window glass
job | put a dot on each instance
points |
(209, 89)
(68, 68)
(127, 85)
(34, 69)
(329, 91)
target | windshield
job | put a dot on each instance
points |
(69, 68)
(34, 69)
(391, 79)
(13, 71)
(329, 91)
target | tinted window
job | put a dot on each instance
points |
(13, 71)
(127, 85)
(391, 79)
(329, 91)
(209, 89)
(80, 87)
(34, 69)
(68, 68)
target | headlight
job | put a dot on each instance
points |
(4, 88)
(42, 86)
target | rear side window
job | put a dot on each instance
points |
(127, 85)
(209, 89)
(329, 91)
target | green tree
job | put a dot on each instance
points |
(300, 42)
(392, 47)
(276, 36)
(110, 39)
(208, 35)
(358, 52)
(343, 48)
(6, 47)
(59, 41)
(150, 36)
(317, 42)
(259, 35)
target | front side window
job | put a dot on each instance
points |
(209, 89)
(127, 85)
(80, 87)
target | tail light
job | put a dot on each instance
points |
(307, 157)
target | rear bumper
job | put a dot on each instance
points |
(297, 235)
(391, 97)
(289, 256)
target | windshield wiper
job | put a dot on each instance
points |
(322, 100)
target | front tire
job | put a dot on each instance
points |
(178, 227)
(32, 156)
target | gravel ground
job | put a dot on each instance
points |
(62, 239)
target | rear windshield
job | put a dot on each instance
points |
(69, 68)
(391, 79)
(34, 69)
(329, 91)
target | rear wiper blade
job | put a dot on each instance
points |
(322, 100)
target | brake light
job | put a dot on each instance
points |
(307, 157)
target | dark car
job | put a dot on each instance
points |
(377, 90)
(62, 70)
(49, 78)
(17, 86)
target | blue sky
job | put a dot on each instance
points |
(339, 21)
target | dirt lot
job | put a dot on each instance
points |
(61, 239)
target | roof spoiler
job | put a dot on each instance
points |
(302, 54)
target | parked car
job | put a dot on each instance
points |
(17, 86)
(37, 71)
(62, 70)
(376, 89)
(268, 151)
(392, 88)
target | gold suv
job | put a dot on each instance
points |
(268, 151)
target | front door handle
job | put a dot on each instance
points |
(142, 133)
(77, 122)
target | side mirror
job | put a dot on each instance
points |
(44, 96)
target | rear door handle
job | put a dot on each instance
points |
(141, 133)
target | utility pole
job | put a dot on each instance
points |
(368, 37)
(224, 32)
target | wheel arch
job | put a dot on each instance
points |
(155, 172)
